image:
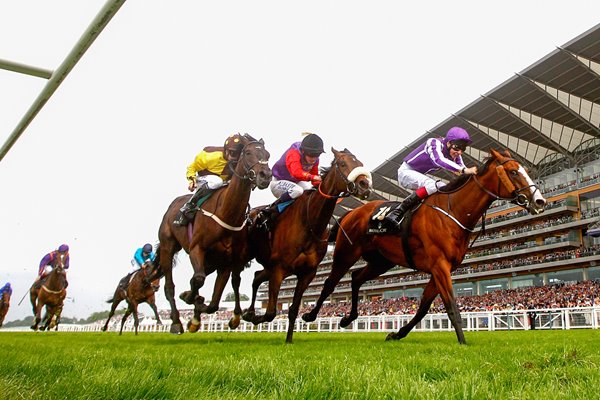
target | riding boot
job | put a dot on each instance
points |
(395, 215)
(269, 213)
(187, 212)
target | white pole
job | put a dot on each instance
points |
(98, 24)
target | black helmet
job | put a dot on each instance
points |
(147, 248)
(312, 145)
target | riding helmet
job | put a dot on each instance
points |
(63, 248)
(234, 143)
(458, 133)
(312, 144)
(147, 248)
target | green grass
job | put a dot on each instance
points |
(494, 365)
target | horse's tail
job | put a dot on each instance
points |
(336, 226)
(111, 299)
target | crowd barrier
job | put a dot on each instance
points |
(556, 318)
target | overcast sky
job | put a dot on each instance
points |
(108, 153)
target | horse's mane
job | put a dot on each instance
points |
(249, 138)
(462, 179)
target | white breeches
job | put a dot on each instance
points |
(294, 189)
(408, 178)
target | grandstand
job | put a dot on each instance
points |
(548, 117)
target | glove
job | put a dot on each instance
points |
(191, 184)
(315, 180)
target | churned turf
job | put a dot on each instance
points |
(494, 365)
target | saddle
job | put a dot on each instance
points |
(264, 217)
(378, 225)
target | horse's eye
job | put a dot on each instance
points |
(514, 172)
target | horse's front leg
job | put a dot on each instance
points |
(259, 277)
(136, 319)
(444, 285)
(303, 282)
(125, 316)
(276, 277)
(37, 313)
(197, 281)
(359, 277)
(429, 294)
(152, 305)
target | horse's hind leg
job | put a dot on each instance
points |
(113, 308)
(429, 294)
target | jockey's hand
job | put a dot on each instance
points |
(191, 185)
(470, 171)
(316, 180)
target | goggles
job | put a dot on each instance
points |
(458, 146)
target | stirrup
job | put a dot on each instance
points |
(181, 219)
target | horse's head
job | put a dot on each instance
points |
(253, 163)
(514, 183)
(350, 176)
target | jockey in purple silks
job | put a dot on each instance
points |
(46, 263)
(430, 156)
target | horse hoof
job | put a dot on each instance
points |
(344, 322)
(176, 329)
(193, 325)
(308, 317)
(248, 317)
(234, 322)
(390, 336)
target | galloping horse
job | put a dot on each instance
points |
(297, 242)
(4, 304)
(140, 290)
(217, 238)
(437, 241)
(51, 294)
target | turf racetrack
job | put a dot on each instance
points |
(493, 365)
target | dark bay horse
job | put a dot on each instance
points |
(4, 304)
(297, 242)
(217, 239)
(437, 241)
(140, 290)
(51, 294)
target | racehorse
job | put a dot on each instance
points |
(51, 294)
(140, 290)
(4, 305)
(297, 242)
(437, 240)
(216, 239)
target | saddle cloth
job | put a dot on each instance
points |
(377, 223)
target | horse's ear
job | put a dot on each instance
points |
(261, 141)
(333, 150)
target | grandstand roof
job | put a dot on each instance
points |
(547, 115)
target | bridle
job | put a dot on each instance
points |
(249, 173)
(519, 198)
(349, 180)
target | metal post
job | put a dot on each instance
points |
(98, 24)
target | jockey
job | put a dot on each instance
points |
(142, 257)
(209, 171)
(433, 154)
(46, 263)
(6, 289)
(296, 171)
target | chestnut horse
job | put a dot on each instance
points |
(297, 242)
(437, 241)
(51, 294)
(217, 239)
(5, 303)
(140, 290)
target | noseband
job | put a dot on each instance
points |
(249, 173)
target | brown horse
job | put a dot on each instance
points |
(51, 294)
(297, 242)
(437, 241)
(140, 289)
(217, 239)
(5, 303)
